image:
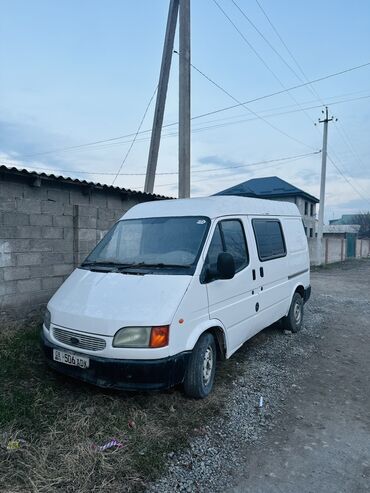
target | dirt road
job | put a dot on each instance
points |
(322, 442)
(313, 433)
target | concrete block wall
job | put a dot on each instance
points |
(45, 231)
(363, 248)
(335, 249)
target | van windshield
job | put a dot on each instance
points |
(158, 243)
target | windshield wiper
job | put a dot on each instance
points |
(133, 265)
(100, 262)
(159, 264)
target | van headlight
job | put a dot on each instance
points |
(47, 319)
(139, 337)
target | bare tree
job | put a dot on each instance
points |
(363, 219)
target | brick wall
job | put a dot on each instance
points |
(47, 226)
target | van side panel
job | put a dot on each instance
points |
(298, 267)
(274, 293)
(296, 243)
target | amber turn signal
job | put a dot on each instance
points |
(159, 336)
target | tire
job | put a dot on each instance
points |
(200, 373)
(294, 320)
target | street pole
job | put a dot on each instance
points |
(184, 99)
(161, 96)
(320, 225)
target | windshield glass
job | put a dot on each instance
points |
(160, 242)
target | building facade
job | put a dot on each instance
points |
(274, 188)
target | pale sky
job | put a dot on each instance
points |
(75, 72)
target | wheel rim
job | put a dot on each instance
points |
(208, 362)
(297, 313)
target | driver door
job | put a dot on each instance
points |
(232, 301)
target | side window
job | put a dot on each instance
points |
(269, 239)
(229, 237)
(215, 247)
(235, 244)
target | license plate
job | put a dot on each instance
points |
(70, 359)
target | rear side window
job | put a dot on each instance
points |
(229, 237)
(269, 239)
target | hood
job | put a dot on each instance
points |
(101, 303)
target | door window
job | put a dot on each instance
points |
(269, 239)
(229, 237)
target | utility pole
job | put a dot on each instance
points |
(184, 99)
(320, 225)
(161, 96)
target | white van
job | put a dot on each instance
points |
(176, 285)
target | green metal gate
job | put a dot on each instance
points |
(351, 245)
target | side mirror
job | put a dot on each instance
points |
(225, 265)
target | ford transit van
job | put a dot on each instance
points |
(173, 287)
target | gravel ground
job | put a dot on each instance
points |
(230, 453)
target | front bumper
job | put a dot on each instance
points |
(121, 374)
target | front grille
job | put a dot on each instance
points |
(78, 340)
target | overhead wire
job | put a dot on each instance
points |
(274, 127)
(202, 115)
(226, 176)
(347, 180)
(266, 40)
(135, 137)
(206, 170)
(249, 44)
(314, 91)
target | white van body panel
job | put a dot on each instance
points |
(233, 303)
(101, 303)
(212, 207)
(190, 316)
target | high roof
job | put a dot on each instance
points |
(34, 175)
(268, 187)
(212, 207)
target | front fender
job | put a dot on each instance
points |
(203, 327)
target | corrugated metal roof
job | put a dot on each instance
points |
(341, 228)
(267, 187)
(76, 181)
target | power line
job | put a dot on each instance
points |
(277, 93)
(347, 180)
(226, 176)
(255, 51)
(355, 155)
(277, 129)
(209, 113)
(313, 90)
(352, 148)
(266, 40)
(219, 168)
(174, 134)
(135, 137)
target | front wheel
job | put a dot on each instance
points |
(200, 373)
(294, 320)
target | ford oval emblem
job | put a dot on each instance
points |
(75, 341)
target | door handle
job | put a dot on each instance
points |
(261, 272)
(254, 274)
